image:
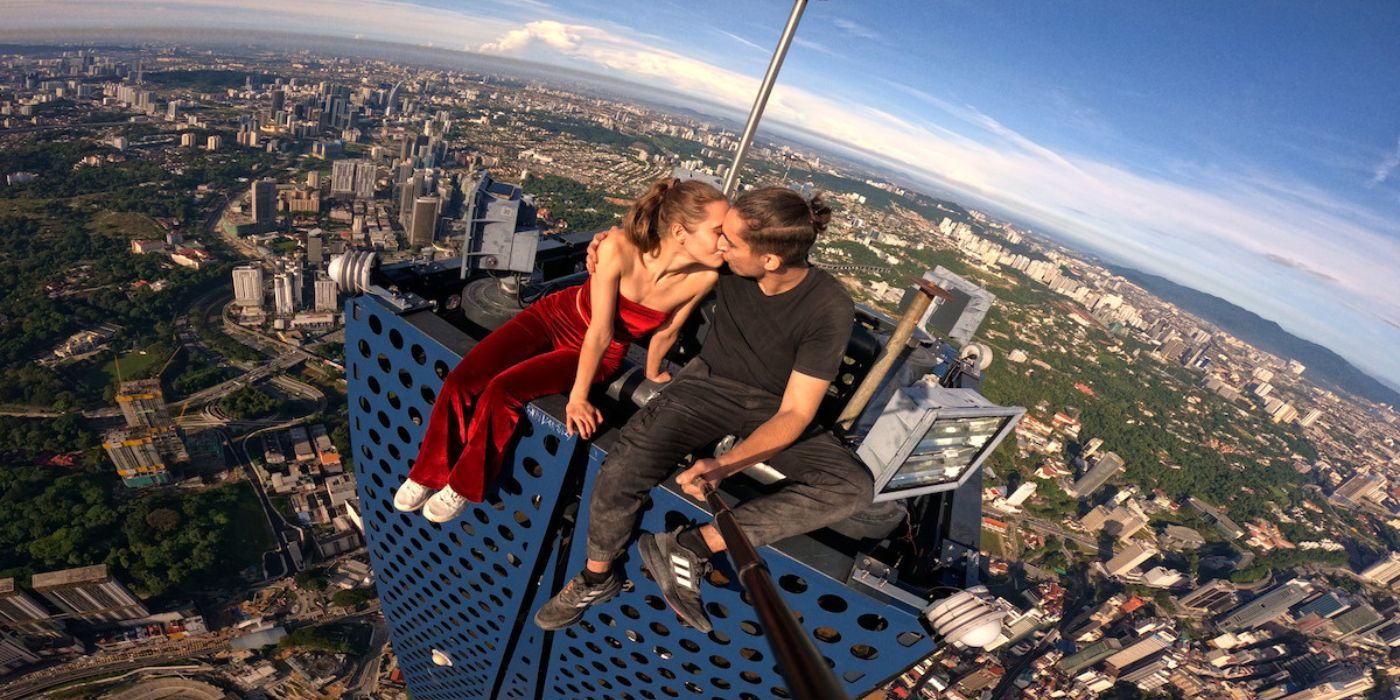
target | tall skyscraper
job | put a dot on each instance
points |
(279, 100)
(264, 199)
(425, 220)
(283, 301)
(136, 456)
(1384, 572)
(314, 254)
(13, 652)
(1266, 607)
(24, 614)
(408, 194)
(1129, 559)
(89, 593)
(1104, 468)
(143, 404)
(248, 285)
(327, 295)
(353, 178)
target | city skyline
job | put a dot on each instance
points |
(1188, 153)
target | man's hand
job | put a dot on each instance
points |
(703, 472)
(592, 261)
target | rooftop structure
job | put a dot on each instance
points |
(89, 593)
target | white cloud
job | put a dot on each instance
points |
(1387, 166)
(856, 29)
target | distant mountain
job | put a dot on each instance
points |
(1324, 366)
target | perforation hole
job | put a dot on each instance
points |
(864, 652)
(363, 346)
(441, 369)
(429, 396)
(419, 356)
(792, 584)
(396, 338)
(376, 326)
(384, 363)
(750, 627)
(405, 379)
(717, 610)
(654, 602)
(660, 629)
(719, 661)
(532, 467)
(373, 384)
(832, 603)
(750, 654)
(909, 639)
(718, 637)
(826, 634)
(873, 622)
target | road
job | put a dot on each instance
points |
(365, 682)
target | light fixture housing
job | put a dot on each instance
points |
(930, 438)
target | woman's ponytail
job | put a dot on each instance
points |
(664, 203)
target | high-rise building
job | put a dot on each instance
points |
(425, 220)
(327, 295)
(89, 593)
(1213, 598)
(248, 285)
(143, 404)
(354, 177)
(1267, 607)
(187, 139)
(408, 194)
(214, 143)
(1104, 468)
(24, 614)
(314, 254)
(1384, 572)
(1141, 648)
(264, 198)
(1129, 559)
(1088, 656)
(283, 299)
(13, 652)
(136, 456)
(1362, 486)
(1311, 417)
(313, 179)
(279, 100)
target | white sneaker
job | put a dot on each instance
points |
(411, 496)
(444, 506)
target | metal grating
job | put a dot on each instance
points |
(469, 588)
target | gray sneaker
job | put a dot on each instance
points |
(568, 607)
(678, 572)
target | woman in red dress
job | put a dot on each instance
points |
(647, 282)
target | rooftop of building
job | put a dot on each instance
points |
(96, 573)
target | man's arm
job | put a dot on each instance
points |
(801, 398)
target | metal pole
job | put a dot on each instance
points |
(801, 665)
(902, 333)
(731, 179)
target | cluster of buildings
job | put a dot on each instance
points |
(304, 466)
(150, 442)
(40, 623)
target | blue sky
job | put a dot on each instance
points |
(1247, 149)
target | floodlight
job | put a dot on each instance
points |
(966, 619)
(931, 438)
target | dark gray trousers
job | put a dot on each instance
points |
(825, 482)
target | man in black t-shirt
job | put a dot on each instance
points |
(777, 341)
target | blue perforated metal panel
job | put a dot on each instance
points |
(469, 588)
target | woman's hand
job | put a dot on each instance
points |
(582, 417)
(660, 378)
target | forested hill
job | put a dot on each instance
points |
(1324, 366)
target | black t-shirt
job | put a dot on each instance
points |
(759, 340)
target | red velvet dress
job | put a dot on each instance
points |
(534, 354)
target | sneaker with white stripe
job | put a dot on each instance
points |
(678, 572)
(568, 607)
